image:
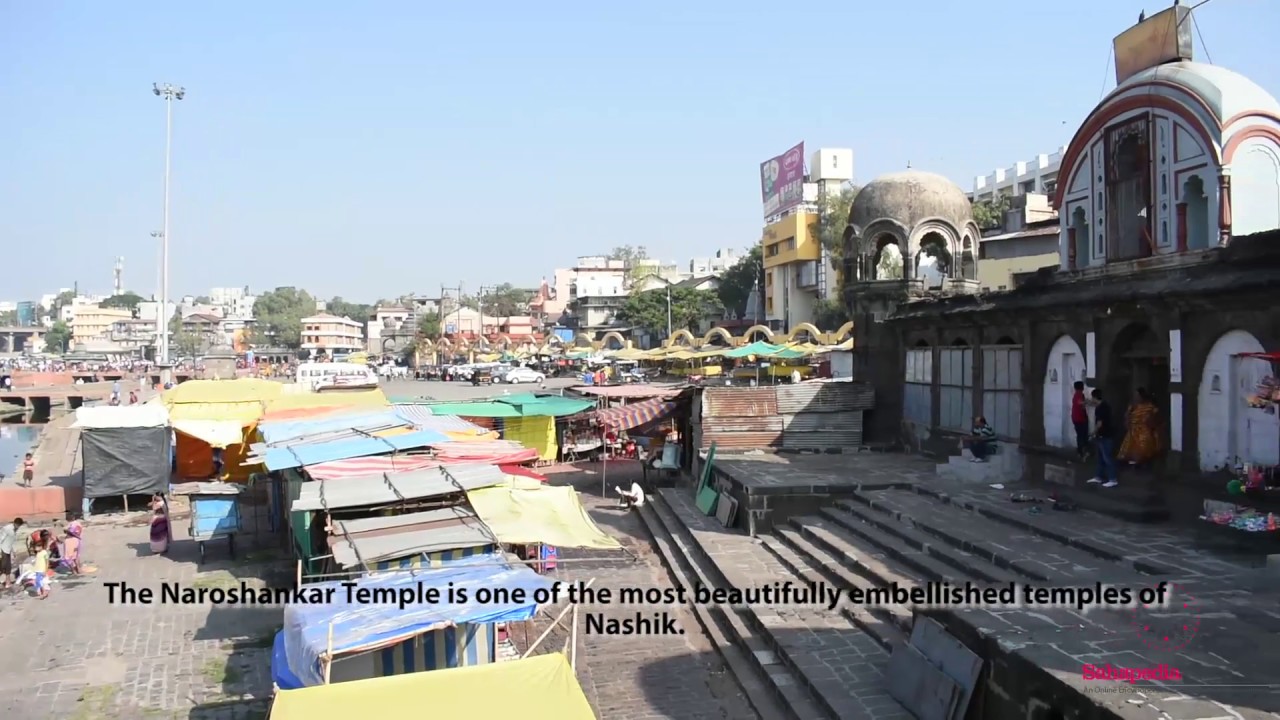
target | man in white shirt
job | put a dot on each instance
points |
(630, 498)
(8, 540)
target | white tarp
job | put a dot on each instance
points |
(110, 417)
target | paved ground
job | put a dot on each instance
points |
(76, 656)
(639, 677)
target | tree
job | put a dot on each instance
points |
(188, 343)
(505, 300)
(65, 298)
(9, 318)
(279, 316)
(58, 337)
(633, 259)
(833, 218)
(829, 315)
(127, 300)
(429, 327)
(989, 214)
(648, 310)
(738, 281)
(359, 312)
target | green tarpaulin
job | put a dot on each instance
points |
(758, 347)
(522, 405)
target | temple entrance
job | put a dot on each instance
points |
(1139, 359)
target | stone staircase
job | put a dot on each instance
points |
(807, 662)
(1005, 466)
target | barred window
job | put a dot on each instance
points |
(1002, 388)
(917, 389)
(955, 391)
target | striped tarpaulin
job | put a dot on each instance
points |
(464, 645)
(422, 416)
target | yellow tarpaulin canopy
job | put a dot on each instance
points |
(549, 515)
(217, 433)
(542, 687)
(241, 390)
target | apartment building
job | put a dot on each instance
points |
(330, 334)
(91, 325)
(1037, 175)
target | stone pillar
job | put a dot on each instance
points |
(1071, 248)
(12, 339)
(1224, 207)
(1180, 213)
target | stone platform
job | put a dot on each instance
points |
(889, 520)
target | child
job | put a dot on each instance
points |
(42, 571)
(28, 470)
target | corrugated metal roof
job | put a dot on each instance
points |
(424, 418)
(822, 440)
(816, 422)
(824, 397)
(741, 440)
(302, 455)
(356, 551)
(739, 402)
(371, 524)
(320, 429)
(629, 391)
(386, 489)
(772, 423)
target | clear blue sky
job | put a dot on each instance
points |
(367, 149)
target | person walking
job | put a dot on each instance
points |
(1103, 434)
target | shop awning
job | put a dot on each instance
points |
(373, 540)
(310, 631)
(283, 458)
(759, 347)
(539, 514)
(542, 687)
(488, 452)
(629, 391)
(635, 414)
(363, 422)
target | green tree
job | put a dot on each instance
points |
(648, 310)
(829, 314)
(505, 300)
(833, 218)
(989, 214)
(65, 298)
(128, 300)
(738, 281)
(58, 337)
(360, 312)
(633, 259)
(188, 343)
(9, 318)
(279, 316)
(429, 327)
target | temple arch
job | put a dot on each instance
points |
(718, 332)
(1230, 432)
(681, 334)
(845, 331)
(583, 339)
(1064, 366)
(815, 335)
(613, 335)
(751, 332)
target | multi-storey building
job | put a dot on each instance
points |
(1037, 175)
(330, 334)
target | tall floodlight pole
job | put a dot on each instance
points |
(668, 312)
(162, 323)
(169, 93)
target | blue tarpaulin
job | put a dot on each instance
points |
(284, 431)
(362, 626)
(283, 458)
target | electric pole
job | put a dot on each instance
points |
(169, 93)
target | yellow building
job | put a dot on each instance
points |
(92, 324)
(793, 275)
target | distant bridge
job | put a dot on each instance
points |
(16, 339)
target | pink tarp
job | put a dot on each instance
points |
(496, 452)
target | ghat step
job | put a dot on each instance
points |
(837, 665)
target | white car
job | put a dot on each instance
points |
(524, 375)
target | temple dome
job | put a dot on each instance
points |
(1226, 93)
(908, 198)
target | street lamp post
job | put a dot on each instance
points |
(668, 312)
(169, 93)
(162, 324)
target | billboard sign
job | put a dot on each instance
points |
(782, 181)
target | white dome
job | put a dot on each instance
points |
(1227, 93)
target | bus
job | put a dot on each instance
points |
(325, 376)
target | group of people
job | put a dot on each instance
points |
(1140, 446)
(45, 550)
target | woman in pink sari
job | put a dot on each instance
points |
(159, 526)
(71, 546)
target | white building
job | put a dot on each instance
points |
(235, 302)
(1037, 175)
(724, 259)
(331, 334)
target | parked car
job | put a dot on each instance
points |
(524, 375)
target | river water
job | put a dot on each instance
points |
(15, 442)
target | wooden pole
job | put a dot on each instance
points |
(328, 657)
(552, 626)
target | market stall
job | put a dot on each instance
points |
(124, 450)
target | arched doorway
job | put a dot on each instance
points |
(887, 262)
(1064, 368)
(1139, 359)
(1229, 431)
(932, 262)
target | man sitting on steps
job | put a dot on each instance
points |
(983, 441)
(632, 498)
